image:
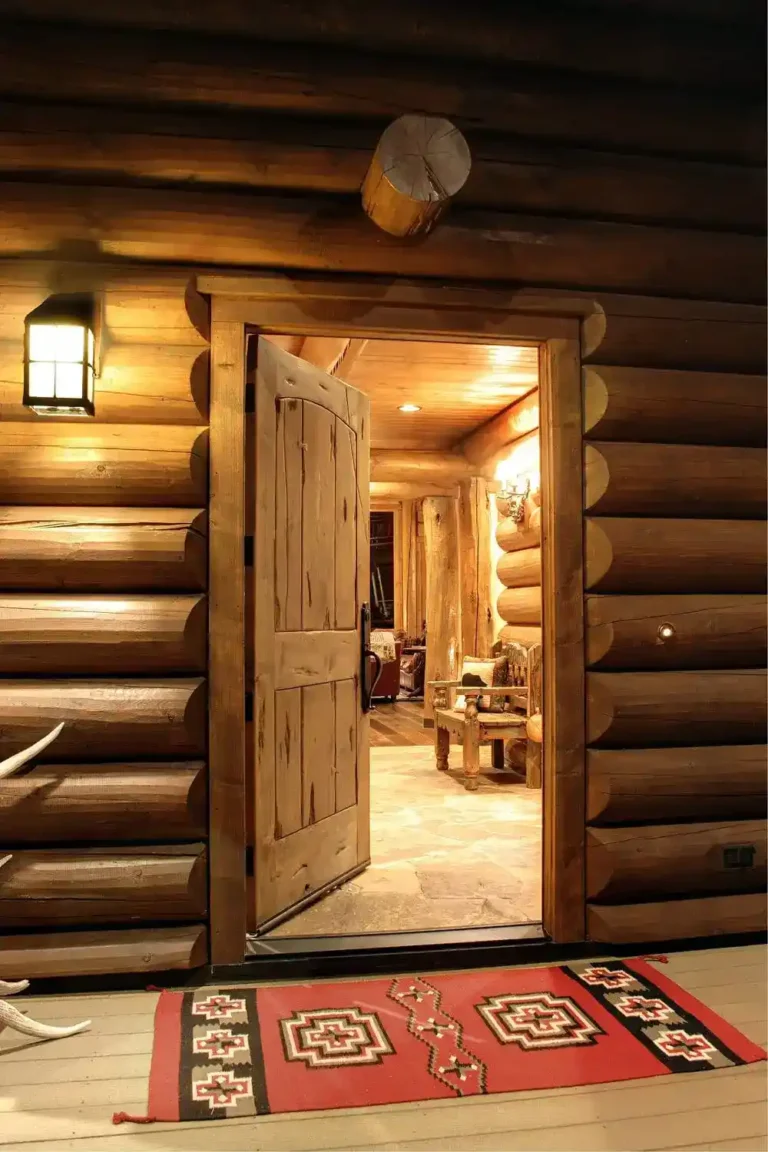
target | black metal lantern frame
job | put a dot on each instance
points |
(60, 390)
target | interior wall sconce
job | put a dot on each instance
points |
(60, 356)
(514, 495)
(666, 632)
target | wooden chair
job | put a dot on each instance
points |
(472, 726)
(521, 722)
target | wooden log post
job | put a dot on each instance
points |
(442, 604)
(420, 163)
(475, 566)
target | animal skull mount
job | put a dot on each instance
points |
(11, 1017)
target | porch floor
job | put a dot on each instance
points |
(60, 1095)
(441, 857)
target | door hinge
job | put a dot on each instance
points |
(248, 551)
(249, 707)
(250, 396)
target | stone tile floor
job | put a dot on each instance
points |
(441, 857)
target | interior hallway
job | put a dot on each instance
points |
(60, 1096)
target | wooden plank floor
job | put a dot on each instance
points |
(60, 1095)
(399, 725)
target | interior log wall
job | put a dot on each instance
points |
(631, 179)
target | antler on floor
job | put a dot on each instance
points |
(11, 1017)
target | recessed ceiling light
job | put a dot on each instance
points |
(409, 408)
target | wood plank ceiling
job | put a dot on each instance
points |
(457, 387)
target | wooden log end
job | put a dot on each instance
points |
(420, 163)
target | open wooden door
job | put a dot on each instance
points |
(311, 577)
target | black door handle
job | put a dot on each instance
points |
(367, 682)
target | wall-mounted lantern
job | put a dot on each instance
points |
(60, 362)
(514, 494)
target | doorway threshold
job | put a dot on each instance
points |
(299, 957)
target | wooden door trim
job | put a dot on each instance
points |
(226, 643)
(554, 321)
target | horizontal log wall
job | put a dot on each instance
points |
(103, 625)
(675, 614)
(619, 171)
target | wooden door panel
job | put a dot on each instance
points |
(311, 573)
(312, 657)
(288, 788)
(310, 860)
(288, 478)
(318, 753)
(345, 521)
(347, 709)
(318, 517)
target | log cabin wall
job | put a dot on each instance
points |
(618, 157)
(103, 573)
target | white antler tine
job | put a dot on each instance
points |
(11, 987)
(10, 1017)
(13, 763)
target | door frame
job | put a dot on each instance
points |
(399, 309)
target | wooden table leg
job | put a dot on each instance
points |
(471, 746)
(442, 748)
(497, 755)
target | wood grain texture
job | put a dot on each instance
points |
(641, 332)
(50, 462)
(637, 785)
(226, 647)
(155, 307)
(485, 444)
(521, 605)
(443, 613)
(562, 655)
(291, 78)
(520, 569)
(645, 709)
(390, 464)
(652, 555)
(97, 802)
(674, 480)
(49, 635)
(105, 719)
(676, 919)
(187, 226)
(475, 568)
(99, 953)
(318, 517)
(318, 155)
(626, 632)
(656, 860)
(614, 46)
(137, 384)
(102, 550)
(305, 658)
(288, 515)
(288, 762)
(95, 886)
(659, 406)
(512, 537)
(345, 702)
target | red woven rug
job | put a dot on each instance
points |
(243, 1051)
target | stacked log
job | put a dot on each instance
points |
(103, 624)
(519, 570)
(675, 571)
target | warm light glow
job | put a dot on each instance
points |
(666, 631)
(409, 408)
(503, 354)
(521, 466)
(59, 356)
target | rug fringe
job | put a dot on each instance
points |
(126, 1118)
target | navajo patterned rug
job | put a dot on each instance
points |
(243, 1051)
